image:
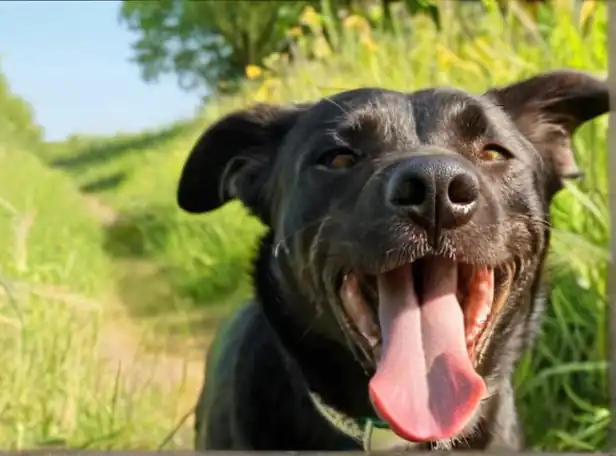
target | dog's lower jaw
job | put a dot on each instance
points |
(293, 319)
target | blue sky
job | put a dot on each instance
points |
(69, 59)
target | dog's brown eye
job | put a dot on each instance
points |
(338, 159)
(494, 152)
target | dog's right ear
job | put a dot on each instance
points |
(232, 156)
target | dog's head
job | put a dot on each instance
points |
(413, 225)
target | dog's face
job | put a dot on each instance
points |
(414, 225)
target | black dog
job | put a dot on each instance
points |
(400, 277)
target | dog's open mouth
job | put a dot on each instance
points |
(434, 317)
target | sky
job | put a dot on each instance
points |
(70, 61)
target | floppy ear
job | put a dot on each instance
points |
(547, 110)
(232, 156)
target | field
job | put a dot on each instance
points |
(109, 294)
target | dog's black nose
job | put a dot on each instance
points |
(436, 191)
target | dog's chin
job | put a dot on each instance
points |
(426, 326)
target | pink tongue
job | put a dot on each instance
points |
(425, 386)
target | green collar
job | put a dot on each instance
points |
(373, 435)
(379, 424)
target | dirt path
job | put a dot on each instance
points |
(145, 353)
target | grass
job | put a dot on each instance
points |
(55, 389)
(561, 384)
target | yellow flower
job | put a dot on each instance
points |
(253, 71)
(309, 16)
(587, 10)
(355, 22)
(295, 32)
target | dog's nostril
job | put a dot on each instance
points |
(411, 192)
(463, 189)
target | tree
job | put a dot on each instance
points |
(204, 42)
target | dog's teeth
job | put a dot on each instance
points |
(358, 310)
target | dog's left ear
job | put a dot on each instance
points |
(547, 109)
(232, 156)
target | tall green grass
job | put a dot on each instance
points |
(55, 389)
(562, 383)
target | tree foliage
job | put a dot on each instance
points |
(203, 42)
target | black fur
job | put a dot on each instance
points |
(325, 221)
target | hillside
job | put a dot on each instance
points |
(97, 219)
